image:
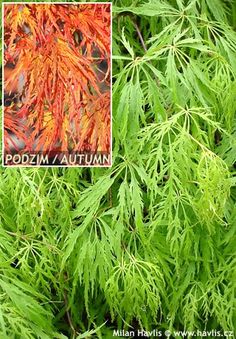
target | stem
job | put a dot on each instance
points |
(144, 46)
(69, 317)
(140, 37)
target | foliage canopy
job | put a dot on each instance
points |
(151, 241)
(60, 60)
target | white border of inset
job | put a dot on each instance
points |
(57, 3)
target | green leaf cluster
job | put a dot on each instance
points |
(150, 242)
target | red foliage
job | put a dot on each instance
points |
(60, 58)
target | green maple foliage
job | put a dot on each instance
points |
(150, 242)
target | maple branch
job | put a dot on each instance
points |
(69, 317)
(144, 47)
(140, 37)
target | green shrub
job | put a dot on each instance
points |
(149, 242)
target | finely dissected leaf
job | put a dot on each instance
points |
(134, 278)
(149, 243)
(56, 53)
(127, 44)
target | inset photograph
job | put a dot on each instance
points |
(57, 84)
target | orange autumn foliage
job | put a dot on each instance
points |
(61, 63)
